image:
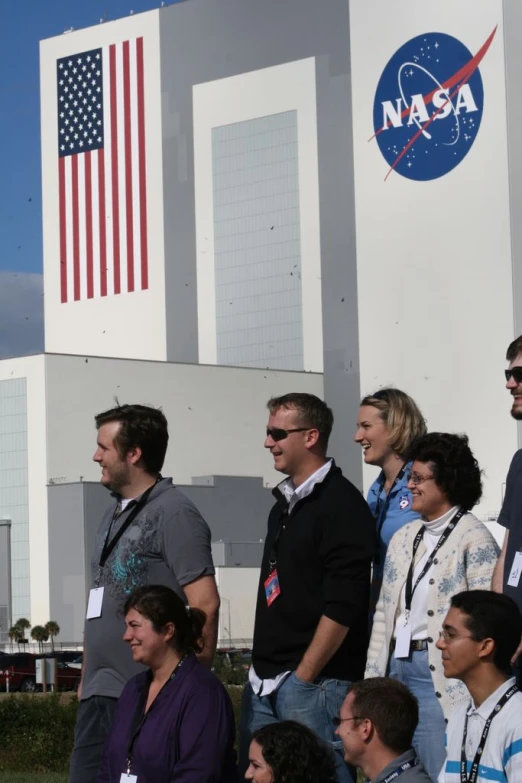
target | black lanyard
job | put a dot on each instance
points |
(140, 716)
(109, 546)
(399, 770)
(380, 515)
(272, 557)
(480, 750)
(410, 587)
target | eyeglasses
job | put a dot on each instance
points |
(338, 720)
(277, 434)
(515, 373)
(451, 636)
(416, 478)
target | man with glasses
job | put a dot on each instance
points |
(376, 725)
(311, 627)
(507, 576)
(484, 737)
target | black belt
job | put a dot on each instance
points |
(416, 645)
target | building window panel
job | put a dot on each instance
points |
(257, 243)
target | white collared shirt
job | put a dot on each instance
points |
(292, 495)
(501, 758)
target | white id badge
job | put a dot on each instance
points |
(94, 607)
(127, 777)
(403, 641)
(516, 570)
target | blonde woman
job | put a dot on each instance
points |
(387, 424)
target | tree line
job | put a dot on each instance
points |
(39, 633)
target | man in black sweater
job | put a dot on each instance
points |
(311, 627)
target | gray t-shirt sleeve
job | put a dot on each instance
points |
(186, 545)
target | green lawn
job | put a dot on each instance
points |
(36, 777)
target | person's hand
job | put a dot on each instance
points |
(518, 652)
(79, 691)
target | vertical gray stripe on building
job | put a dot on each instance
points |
(513, 59)
(257, 247)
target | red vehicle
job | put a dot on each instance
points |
(19, 668)
(22, 673)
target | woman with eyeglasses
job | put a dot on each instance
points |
(174, 720)
(387, 424)
(288, 752)
(446, 551)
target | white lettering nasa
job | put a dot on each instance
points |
(418, 111)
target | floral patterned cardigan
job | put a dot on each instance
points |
(465, 562)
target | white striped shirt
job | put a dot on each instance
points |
(501, 758)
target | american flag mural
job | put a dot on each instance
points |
(101, 158)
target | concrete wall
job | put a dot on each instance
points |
(67, 558)
(217, 416)
(32, 548)
(238, 591)
(231, 61)
(435, 263)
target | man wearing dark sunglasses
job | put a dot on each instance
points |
(311, 627)
(507, 577)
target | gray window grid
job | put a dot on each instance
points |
(257, 243)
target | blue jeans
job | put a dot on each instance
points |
(428, 739)
(312, 704)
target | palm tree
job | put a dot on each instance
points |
(53, 629)
(15, 634)
(24, 626)
(40, 635)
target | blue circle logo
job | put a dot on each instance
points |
(428, 106)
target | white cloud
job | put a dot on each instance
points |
(21, 313)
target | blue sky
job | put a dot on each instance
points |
(24, 25)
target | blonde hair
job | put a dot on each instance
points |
(402, 417)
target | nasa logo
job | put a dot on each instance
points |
(404, 502)
(428, 105)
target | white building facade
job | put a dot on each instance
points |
(272, 195)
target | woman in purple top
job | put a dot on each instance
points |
(174, 721)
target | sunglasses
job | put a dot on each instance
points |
(515, 372)
(277, 434)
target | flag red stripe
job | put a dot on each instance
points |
(142, 172)
(63, 242)
(88, 225)
(75, 227)
(103, 232)
(128, 165)
(114, 170)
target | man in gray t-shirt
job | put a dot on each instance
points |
(151, 534)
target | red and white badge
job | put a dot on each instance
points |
(272, 588)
